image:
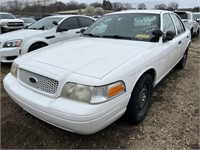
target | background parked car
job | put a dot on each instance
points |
(197, 15)
(28, 21)
(8, 22)
(46, 31)
(190, 21)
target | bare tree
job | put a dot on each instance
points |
(142, 6)
(14, 6)
(96, 4)
(160, 6)
(117, 6)
(172, 6)
(127, 6)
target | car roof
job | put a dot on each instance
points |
(140, 11)
(4, 13)
(66, 16)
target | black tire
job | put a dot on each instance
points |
(36, 46)
(191, 31)
(198, 31)
(182, 62)
(140, 100)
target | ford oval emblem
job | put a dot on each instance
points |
(33, 80)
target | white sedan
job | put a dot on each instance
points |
(87, 83)
(44, 32)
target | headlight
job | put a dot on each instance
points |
(13, 69)
(91, 94)
(4, 23)
(13, 43)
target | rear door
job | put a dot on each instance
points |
(182, 36)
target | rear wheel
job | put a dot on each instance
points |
(36, 46)
(140, 100)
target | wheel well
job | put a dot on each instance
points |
(43, 43)
(152, 72)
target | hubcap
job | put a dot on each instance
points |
(142, 100)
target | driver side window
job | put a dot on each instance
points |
(168, 24)
(70, 23)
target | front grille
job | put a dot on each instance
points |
(15, 24)
(42, 83)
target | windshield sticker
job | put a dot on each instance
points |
(142, 36)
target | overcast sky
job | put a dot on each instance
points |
(148, 3)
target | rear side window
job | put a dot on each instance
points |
(85, 22)
(178, 23)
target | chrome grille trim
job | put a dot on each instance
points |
(42, 83)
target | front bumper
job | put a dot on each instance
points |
(67, 114)
(9, 54)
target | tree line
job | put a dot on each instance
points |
(39, 7)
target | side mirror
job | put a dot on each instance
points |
(61, 29)
(82, 30)
(157, 33)
(169, 36)
(55, 23)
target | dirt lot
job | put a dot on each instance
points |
(172, 122)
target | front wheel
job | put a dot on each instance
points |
(140, 100)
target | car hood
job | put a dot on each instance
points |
(11, 20)
(21, 34)
(92, 57)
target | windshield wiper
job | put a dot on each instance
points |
(90, 34)
(117, 37)
(33, 28)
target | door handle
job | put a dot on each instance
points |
(78, 32)
(179, 42)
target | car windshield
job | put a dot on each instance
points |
(183, 15)
(132, 26)
(45, 23)
(197, 15)
(7, 16)
(28, 20)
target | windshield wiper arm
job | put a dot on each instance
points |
(117, 37)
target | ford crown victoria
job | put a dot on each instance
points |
(44, 32)
(87, 83)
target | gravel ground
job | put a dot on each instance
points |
(172, 121)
